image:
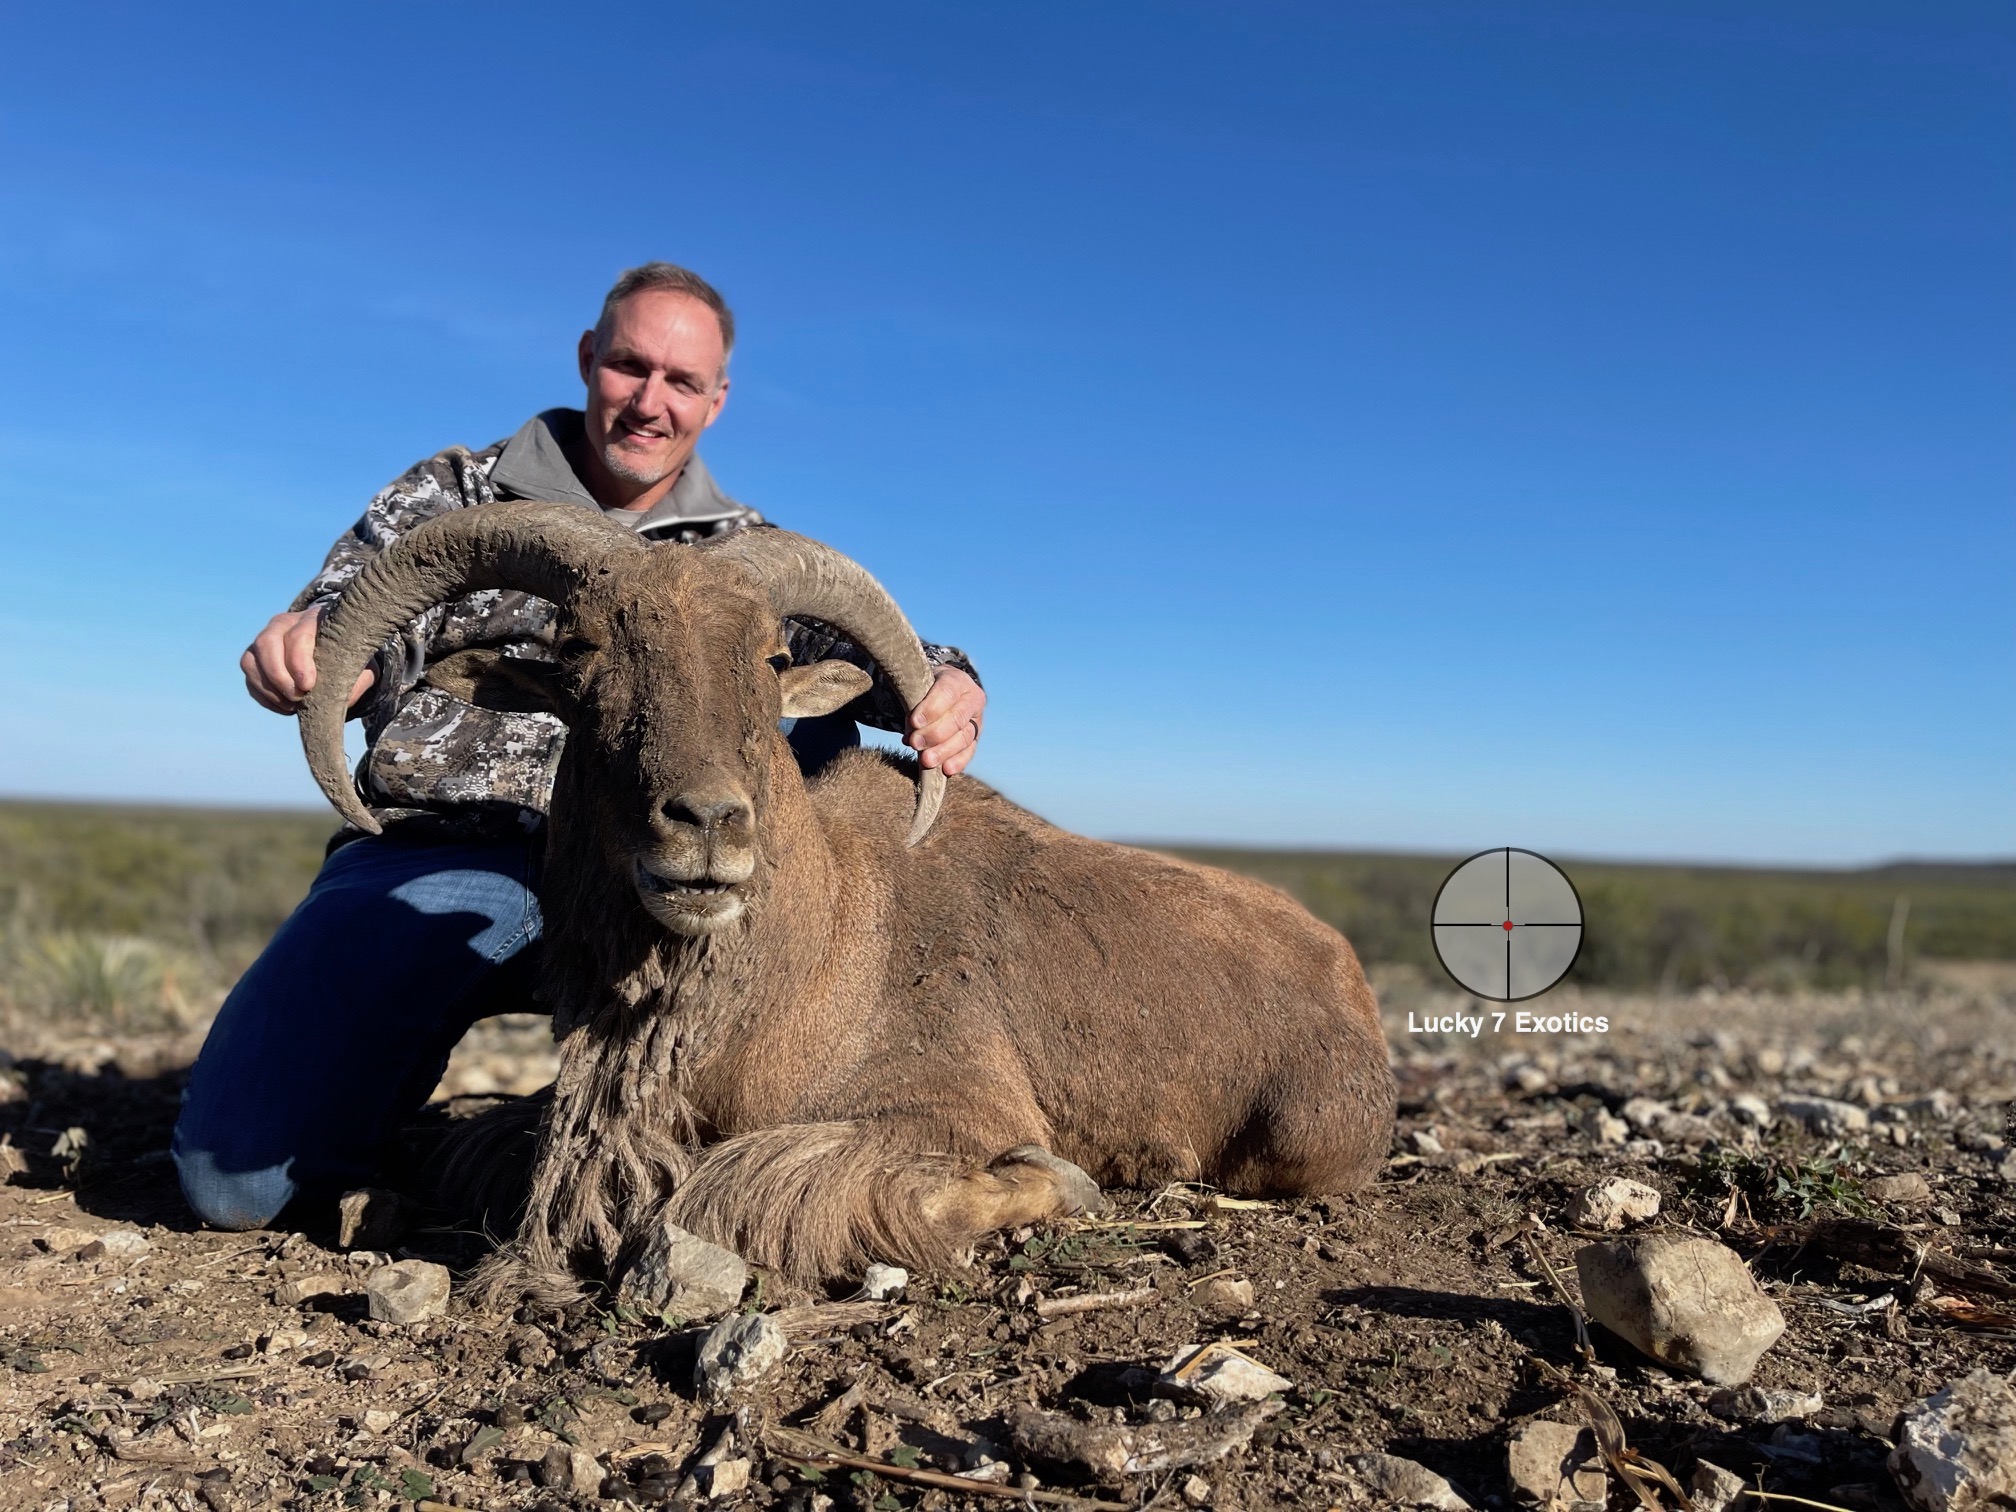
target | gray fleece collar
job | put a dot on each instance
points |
(534, 465)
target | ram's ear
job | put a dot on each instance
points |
(508, 684)
(821, 688)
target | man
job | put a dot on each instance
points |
(340, 1030)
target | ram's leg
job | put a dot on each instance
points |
(820, 1201)
(1024, 1185)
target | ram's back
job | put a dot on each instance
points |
(1160, 1007)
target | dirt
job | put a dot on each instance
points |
(1411, 1319)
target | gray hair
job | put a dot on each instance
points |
(670, 276)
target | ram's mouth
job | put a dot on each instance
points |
(698, 905)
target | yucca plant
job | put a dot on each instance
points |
(111, 978)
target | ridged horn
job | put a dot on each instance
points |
(804, 577)
(547, 550)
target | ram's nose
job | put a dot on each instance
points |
(704, 834)
(726, 815)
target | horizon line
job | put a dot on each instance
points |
(1695, 863)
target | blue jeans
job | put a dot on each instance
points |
(340, 1030)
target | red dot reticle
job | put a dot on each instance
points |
(1532, 908)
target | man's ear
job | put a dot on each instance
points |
(821, 688)
(720, 402)
(585, 352)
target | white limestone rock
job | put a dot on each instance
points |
(682, 1274)
(736, 1353)
(1956, 1449)
(1558, 1466)
(407, 1291)
(1398, 1482)
(1613, 1205)
(1828, 1117)
(1688, 1302)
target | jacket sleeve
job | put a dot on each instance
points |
(448, 481)
(881, 706)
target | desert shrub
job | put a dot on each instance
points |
(1669, 928)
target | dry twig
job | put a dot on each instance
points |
(805, 1449)
(1582, 1345)
(1887, 1248)
(1068, 1307)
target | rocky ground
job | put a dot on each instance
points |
(1414, 1328)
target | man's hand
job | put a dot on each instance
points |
(279, 666)
(945, 727)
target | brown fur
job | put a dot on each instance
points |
(833, 1078)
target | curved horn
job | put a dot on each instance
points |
(547, 550)
(807, 578)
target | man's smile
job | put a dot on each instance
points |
(630, 430)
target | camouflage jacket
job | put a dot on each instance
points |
(461, 768)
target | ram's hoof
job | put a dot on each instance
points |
(1076, 1192)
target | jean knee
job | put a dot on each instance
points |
(233, 1199)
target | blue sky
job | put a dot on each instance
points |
(1407, 425)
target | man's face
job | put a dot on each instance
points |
(655, 382)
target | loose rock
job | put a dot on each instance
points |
(884, 1283)
(683, 1274)
(575, 1471)
(1936, 1104)
(1228, 1296)
(1825, 1116)
(407, 1291)
(531, 1348)
(1111, 1451)
(1217, 1374)
(1714, 1489)
(62, 1240)
(738, 1352)
(1757, 1404)
(1603, 1126)
(1403, 1483)
(116, 1244)
(1613, 1205)
(722, 1478)
(1956, 1449)
(1689, 1303)
(1558, 1466)
(1909, 1190)
(1749, 1108)
(1645, 1114)
(378, 1419)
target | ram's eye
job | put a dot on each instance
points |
(574, 646)
(780, 663)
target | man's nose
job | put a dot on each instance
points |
(653, 397)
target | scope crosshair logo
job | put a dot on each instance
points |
(1507, 924)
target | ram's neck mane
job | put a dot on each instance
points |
(636, 1010)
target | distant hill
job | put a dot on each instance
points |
(220, 881)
